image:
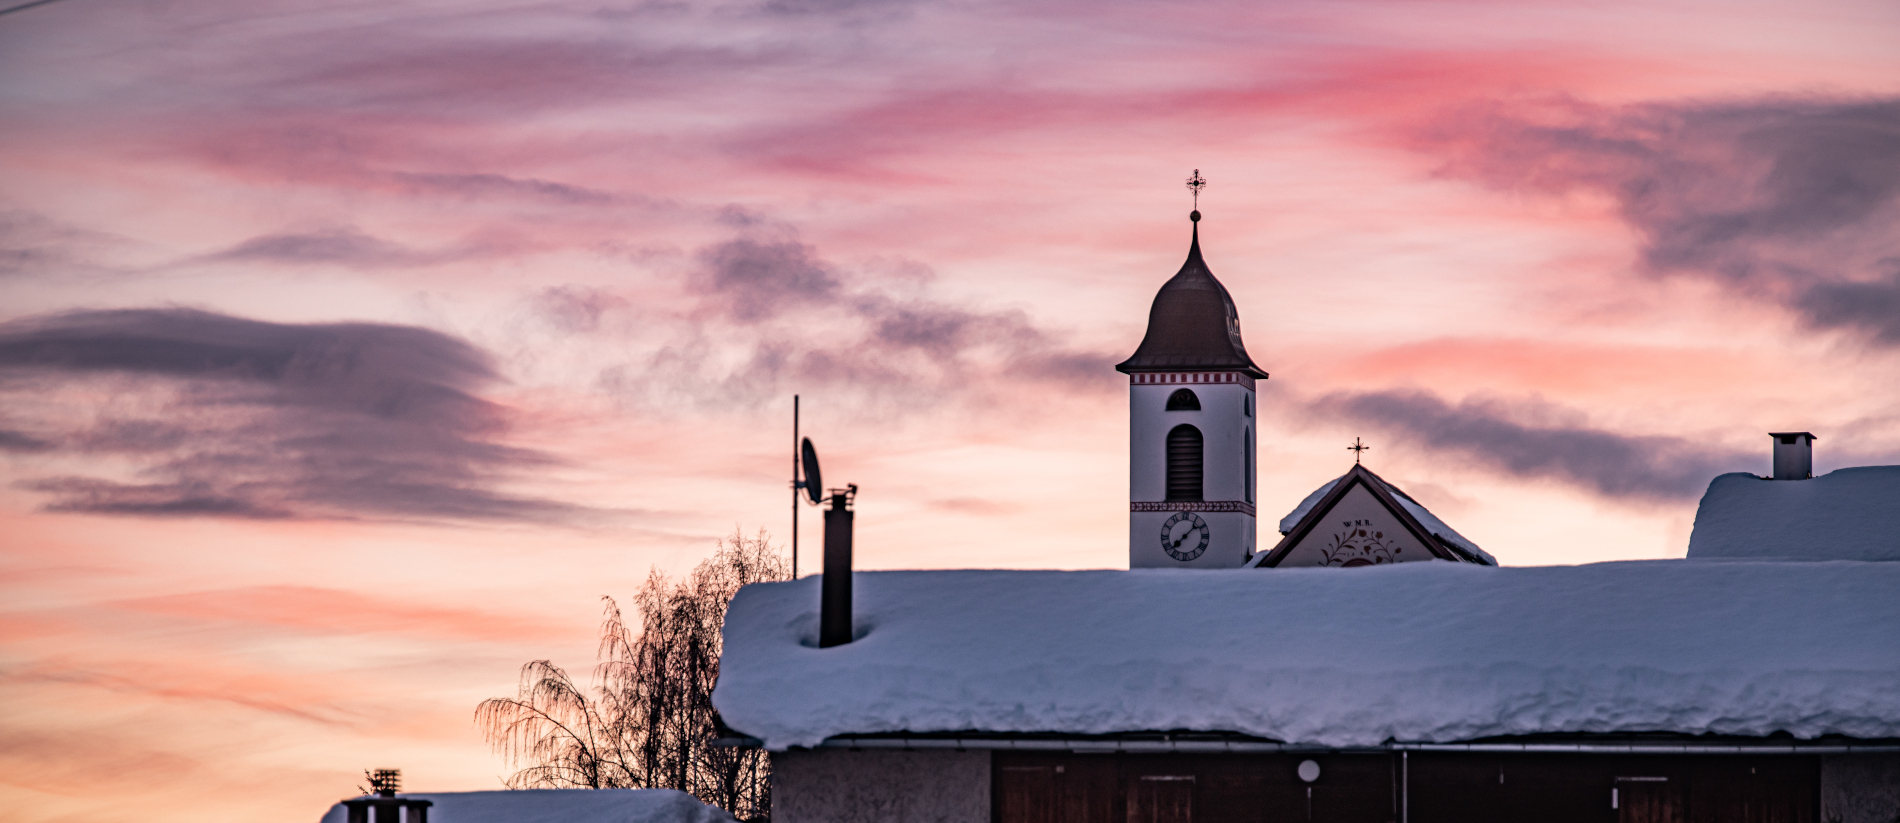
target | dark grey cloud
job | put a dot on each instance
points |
(835, 7)
(1872, 305)
(754, 280)
(255, 419)
(14, 441)
(790, 319)
(342, 247)
(389, 69)
(576, 309)
(188, 498)
(31, 243)
(1795, 201)
(1535, 440)
(484, 185)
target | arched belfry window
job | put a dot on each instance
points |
(1184, 463)
(1183, 400)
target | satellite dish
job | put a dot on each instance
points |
(814, 487)
(1309, 771)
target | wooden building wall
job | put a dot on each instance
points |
(1381, 788)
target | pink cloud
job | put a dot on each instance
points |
(339, 612)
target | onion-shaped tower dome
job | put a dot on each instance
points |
(1193, 325)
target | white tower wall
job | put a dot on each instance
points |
(1229, 466)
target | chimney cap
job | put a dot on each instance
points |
(1808, 435)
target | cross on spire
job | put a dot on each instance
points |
(1195, 184)
(1356, 448)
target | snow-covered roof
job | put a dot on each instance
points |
(1846, 514)
(1430, 652)
(562, 806)
(1417, 510)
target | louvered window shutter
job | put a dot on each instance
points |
(1184, 463)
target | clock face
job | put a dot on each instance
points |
(1184, 536)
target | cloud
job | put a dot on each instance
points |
(336, 612)
(1536, 440)
(14, 441)
(1873, 306)
(483, 185)
(190, 497)
(446, 63)
(1789, 200)
(572, 308)
(772, 316)
(32, 243)
(978, 506)
(752, 280)
(273, 695)
(343, 247)
(224, 416)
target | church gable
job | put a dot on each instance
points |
(1358, 523)
(1357, 530)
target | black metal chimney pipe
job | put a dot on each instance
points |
(834, 613)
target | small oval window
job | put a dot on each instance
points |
(1183, 400)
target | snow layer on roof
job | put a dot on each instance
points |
(1847, 514)
(562, 806)
(1413, 651)
(1425, 518)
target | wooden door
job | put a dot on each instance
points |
(1648, 800)
(1027, 794)
(1754, 790)
(1161, 798)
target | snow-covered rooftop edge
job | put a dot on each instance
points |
(561, 806)
(1424, 652)
(1425, 518)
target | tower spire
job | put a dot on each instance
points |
(1195, 183)
(1193, 325)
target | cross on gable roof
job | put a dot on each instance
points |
(1372, 551)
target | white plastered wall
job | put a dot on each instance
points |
(1860, 788)
(880, 786)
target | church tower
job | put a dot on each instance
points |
(1191, 437)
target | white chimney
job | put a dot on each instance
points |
(1794, 455)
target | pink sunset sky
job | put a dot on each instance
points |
(350, 352)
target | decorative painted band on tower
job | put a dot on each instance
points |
(1191, 434)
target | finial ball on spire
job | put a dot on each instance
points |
(1195, 215)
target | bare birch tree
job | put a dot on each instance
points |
(648, 720)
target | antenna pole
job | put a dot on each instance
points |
(794, 487)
